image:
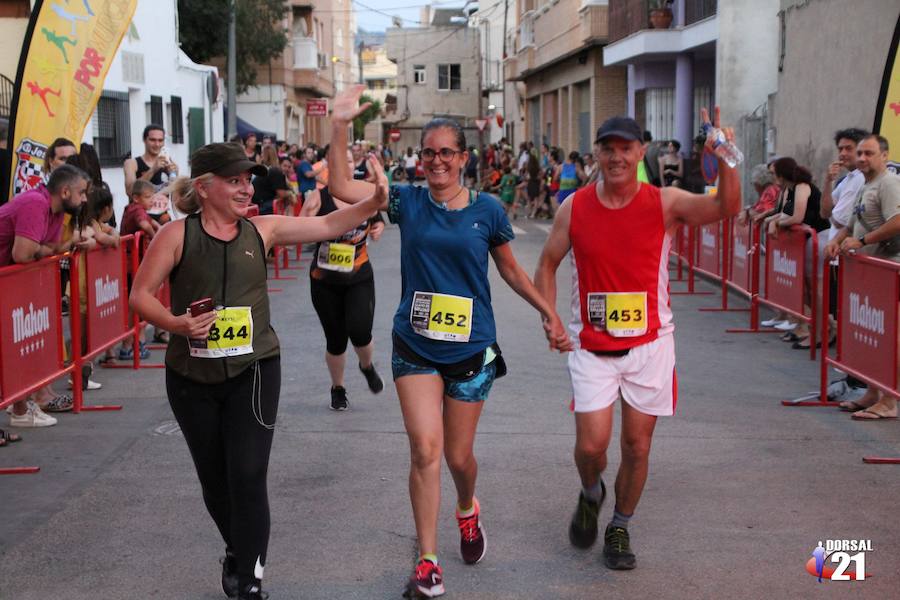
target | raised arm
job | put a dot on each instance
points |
(680, 206)
(281, 230)
(340, 180)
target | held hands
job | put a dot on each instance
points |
(346, 106)
(556, 334)
(195, 327)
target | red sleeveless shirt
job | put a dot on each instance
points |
(620, 276)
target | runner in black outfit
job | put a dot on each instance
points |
(223, 366)
(342, 286)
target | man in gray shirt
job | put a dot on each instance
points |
(874, 230)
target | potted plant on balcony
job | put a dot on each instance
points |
(660, 13)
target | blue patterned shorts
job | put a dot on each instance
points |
(472, 389)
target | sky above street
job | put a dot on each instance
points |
(379, 19)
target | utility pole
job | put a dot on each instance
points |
(482, 153)
(503, 74)
(232, 72)
(359, 52)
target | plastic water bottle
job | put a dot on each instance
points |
(722, 148)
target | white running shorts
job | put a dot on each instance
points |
(645, 377)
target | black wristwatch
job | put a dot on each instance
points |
(862, 239)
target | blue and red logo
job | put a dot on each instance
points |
(832, 560)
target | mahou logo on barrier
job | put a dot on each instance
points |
(784, 269)
(740, 254)
(708, 255)
(868, 318)
(29, 324)
(106, 311)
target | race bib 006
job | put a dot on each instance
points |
(441, 316)
(336, 257)
(620, 314)
(230, 335)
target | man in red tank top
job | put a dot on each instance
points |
(619, 232)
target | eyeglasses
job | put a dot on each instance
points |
(445, 153)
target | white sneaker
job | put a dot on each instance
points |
(771, 322)
(33, 417)
(91, 384)
(785, 326)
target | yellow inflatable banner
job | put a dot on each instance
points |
(887, 113)
(67, 52)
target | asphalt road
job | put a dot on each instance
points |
(740, 492)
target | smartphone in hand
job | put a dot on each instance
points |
(199, 307)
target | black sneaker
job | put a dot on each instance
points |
(617, 552)
(253, 592)
(376, 384)
(229, 575)
(583, 528)
(339, 398)
(427, 581)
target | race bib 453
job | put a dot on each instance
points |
(620, 314)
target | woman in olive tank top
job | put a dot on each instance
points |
(223, 373)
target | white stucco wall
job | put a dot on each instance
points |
(167, 72)
(747, 55)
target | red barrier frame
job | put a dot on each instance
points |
(93, 349)
(889, 388)
(814, 280)
(754, 252)
(137, 323)
(691, 256)
(725, 229)
(50, 264)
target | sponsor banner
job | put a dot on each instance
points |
(29, 327)
(107, 297)
(868, 313)
(887, 113)
(741, 244)
(67, 52)
(784, 269)
(709, 248)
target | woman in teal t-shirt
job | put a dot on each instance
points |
(445, 355)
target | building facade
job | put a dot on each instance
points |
(318, 62)
(380, 78)
(437, 75)
(568, 90)
(721, 53)
(496, 24)
(831, 69)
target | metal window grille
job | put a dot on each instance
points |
(177, 120)
(112, 133)
(156, 110)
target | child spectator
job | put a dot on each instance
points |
(508, 191)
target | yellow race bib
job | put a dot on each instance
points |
(441, 316)
(620, 314)
(230, 335)
(336, 257)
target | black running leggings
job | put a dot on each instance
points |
(230, 448)
(345, 311)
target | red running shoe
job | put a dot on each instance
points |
(427, 581)
(472, 543)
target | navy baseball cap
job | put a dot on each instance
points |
(621, 127)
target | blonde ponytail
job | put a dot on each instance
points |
(184, 193)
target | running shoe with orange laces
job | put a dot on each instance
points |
(427, 581)
(472, 542)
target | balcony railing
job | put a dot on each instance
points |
(626, 17)
(306, 53)
(594, 23)
(697, 10)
